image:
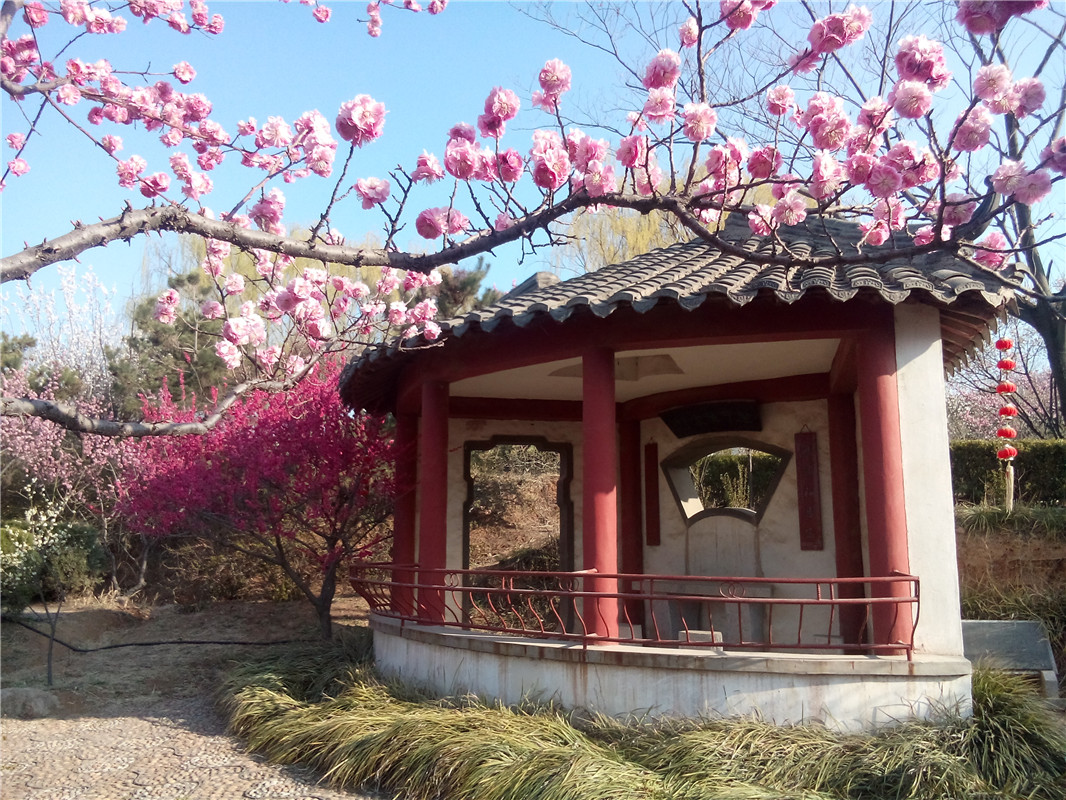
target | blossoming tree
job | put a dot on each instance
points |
(923, 160)
(291, 479)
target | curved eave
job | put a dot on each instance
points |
(371, 381)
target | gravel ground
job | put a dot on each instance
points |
(168, 750)
(140, 722)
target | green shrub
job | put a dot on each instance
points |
(1039, 471)
(43, 558)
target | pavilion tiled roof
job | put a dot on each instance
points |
(688, 273)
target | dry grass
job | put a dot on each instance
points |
(326, 709)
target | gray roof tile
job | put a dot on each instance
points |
(687, 273)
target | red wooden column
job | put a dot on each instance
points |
(847, 522)
(599, 535)
(433, 499)
(882, 470)
(631, 518)
(405, 511)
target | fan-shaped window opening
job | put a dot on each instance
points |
(735, 477)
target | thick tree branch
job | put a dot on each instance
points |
(70, 418)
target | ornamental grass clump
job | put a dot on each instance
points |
(325, 708)
(1014, 741)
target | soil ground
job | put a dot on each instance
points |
(141, 722)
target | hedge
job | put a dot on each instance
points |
(1039, 471)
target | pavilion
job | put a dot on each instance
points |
(831, 595)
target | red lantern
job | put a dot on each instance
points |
(1006, 363)
(1006, 432)
(1004, 344)
(1007, 453)
(1006, 387)
(1008, 411)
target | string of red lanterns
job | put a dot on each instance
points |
(1007, 411)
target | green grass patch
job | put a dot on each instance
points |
(1028, 521)
(324, 707)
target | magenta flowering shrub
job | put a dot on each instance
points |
(904, 154)
(290, 478)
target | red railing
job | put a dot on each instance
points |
(762, 614)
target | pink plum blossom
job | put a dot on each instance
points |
(234, 284)
(428, 168)
(229, 353)
(700, 120)
(599, 178)
(689, 32)
(461, 158)
(789, 210)
(973, 130)
(663, 70)
(18, 167)
(875, 232)
(876, 115)
(911, 99)
(16, 141)
(923, 235)
(632, 151)
(1030, 96)
(554, 81)
(958, 209)
(992, 82)
(764, 162)
(361, 120)
(373, 191)
(1034, 187)
(509, 165)
(1008, 177)
(827, 175)
(68, 95)
(434, 222)
(212, 309)
(779, 99)
(992, 250)
(154, 185)
(502, 103)
(884, 180)
(760, 220)
(184, 72)
(835, 31)
(1054, 156)
(739, 15)
(34, 14)
(550, 160)
(268, 357)
(660, 106)
(922, 59)
(321, 13)
(166, 307)
(266, 213)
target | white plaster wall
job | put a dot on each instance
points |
(927, 477)
(722, 545)
(845, 693)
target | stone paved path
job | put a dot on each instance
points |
(172, 749)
